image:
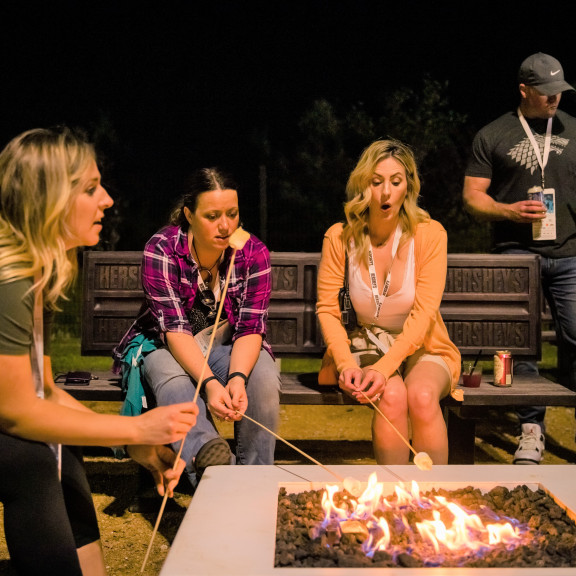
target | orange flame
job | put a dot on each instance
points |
(450, 529)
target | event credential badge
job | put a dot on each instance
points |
(546, 229)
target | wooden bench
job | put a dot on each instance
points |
(490, 303)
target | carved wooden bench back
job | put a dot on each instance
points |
(490, 302)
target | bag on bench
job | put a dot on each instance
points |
(367, 347)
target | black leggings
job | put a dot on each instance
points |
(45, 520)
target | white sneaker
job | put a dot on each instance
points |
(531, 446)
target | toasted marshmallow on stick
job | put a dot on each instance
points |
(238, 238)
(353, 486)
(423, 461)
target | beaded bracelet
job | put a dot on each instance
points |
(239, 374)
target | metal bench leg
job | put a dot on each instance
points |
(461, 437)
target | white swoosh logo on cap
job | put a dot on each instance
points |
(554, 73)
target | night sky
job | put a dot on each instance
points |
(185, 84)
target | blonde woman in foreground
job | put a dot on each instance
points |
(51, 202)
(398, 354)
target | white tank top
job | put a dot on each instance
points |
(395, 307)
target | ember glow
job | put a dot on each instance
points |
(408, 520)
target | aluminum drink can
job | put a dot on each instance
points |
(536, 193)
(503, 365)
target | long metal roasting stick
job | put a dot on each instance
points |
(200, 380)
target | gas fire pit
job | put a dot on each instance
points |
(230, 527)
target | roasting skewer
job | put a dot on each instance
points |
(351, 484)
(421, 459)
(237, 240)
(340, 479)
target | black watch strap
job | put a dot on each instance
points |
(240, 375)
(209, 379)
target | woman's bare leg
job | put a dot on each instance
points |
(388, 446)
(92, 559)
(426, 384)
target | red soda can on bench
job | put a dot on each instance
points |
(503, 366)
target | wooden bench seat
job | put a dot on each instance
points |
(461, 417)
(491, 302)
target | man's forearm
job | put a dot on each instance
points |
(487, 209)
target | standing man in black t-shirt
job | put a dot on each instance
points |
(521, 175)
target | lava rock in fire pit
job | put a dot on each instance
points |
(548, 534)
(408, 561)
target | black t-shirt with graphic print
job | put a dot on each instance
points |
(502, 152)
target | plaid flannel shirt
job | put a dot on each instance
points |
(170, 282)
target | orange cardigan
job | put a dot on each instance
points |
(424, 327)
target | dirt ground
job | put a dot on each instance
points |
(339, 435)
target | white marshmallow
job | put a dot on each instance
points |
(353, 486)
(238, 238)
(423, 461)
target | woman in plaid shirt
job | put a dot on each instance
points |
(183, 273)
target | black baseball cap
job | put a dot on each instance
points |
(544, 73)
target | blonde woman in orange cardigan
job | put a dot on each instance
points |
(398, 354)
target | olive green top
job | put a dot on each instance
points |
(17, 318)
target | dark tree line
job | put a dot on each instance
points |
(292, 181)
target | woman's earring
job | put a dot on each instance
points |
(188, 214)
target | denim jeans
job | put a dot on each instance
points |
(170, 384)
(559, 285)
(558, 277)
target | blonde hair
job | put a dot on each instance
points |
(39, 172)
(359, 194)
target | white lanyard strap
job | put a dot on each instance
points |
(37, 358)
(37, 351)
(542, 160)
(379, 299)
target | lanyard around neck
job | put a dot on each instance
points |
(37, 357)
(542, 160)
(37, 350)
(379, 298)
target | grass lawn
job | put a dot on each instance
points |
(66, 356)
